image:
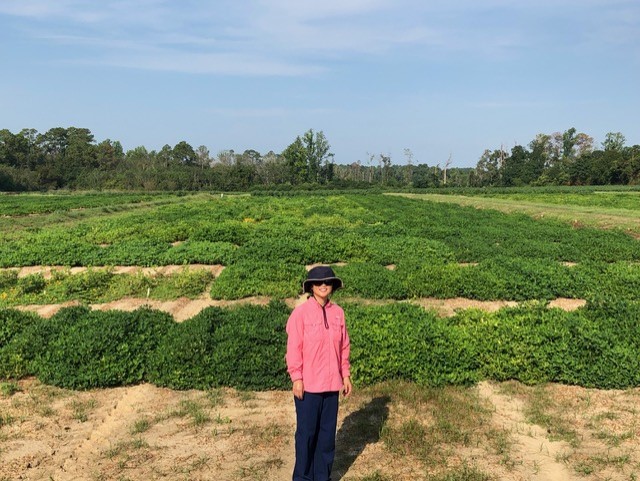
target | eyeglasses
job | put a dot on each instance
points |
(319, 283)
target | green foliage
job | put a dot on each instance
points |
(273, 279)
(200, 252)
(8, 279)
(101, 349)
(31, 284)
(14, 348)
(241, 347)
(517, 279)
(85, 286)
(370, 281)
(402, 341)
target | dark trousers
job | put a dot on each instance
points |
(317, 417)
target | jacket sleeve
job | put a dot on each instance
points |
(345, 368)
(295, 333)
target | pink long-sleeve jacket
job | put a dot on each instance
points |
(318, 352)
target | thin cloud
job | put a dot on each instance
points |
(289, 37)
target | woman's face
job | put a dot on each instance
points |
(322, 291)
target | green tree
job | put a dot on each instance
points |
(614, 141)
(184, 154)
(295, 156)
(318, 156)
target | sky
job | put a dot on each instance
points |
(444, 79)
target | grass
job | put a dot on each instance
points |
(193, 410)
(140, 426)
(8, 389)
(593, 216)
(81, 409)
(437, 421)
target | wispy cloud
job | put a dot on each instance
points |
(293, 38)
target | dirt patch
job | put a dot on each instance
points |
(448, 307)
(535, 457)
(146, 432)
(567, 304)
(47, 271)
(184, 308)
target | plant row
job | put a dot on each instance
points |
(514, 279)
(329, 229)
(26, 204)
(99, 285)
(244, 347)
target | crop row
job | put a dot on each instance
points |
(377, 229)
(26, 204)
(513, 279)
(244, 347)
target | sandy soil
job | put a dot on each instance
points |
(143, 432)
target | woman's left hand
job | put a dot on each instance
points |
(346, 390)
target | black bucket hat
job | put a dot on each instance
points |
(321, 273)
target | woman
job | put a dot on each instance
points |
(318, 363)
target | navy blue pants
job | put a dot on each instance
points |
(317, 417)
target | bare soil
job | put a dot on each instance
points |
(144, 432)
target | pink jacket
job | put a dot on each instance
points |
(318, 353)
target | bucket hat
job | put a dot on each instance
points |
(321, 273)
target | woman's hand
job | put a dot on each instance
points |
(346, 390)
(298, 389)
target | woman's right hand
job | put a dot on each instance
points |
(298, 389)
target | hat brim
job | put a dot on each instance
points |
(336, 282)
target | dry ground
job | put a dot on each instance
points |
(143, 432)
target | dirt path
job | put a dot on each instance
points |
(537, 456)
(144, 432)
(183, 308)
(48, 271)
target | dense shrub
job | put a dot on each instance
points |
(371, 281)
(100, 349)
(242, 347)
(200, 252)
(402, 341)
(14, 349)
(244, 279)
(183, 358)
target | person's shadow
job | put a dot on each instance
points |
(358, 429)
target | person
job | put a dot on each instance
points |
(318, 364)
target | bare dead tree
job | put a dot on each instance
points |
(446, 166)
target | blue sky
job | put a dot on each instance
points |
(376, 76)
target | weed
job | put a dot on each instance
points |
(140, 426)
(246, 396)
(8, 389)
(613, 439)
(5, 420)
(258, 470)
(542, 410)
(463, 473)
(215, 397)
(139, 443)
(583, 468)
(270, 432)
(375, 476)
(219, 419)
(81, 409)
(194, 410)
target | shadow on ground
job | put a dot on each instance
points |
(358, 429)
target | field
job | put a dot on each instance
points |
(495, 336)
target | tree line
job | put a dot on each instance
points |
(561, 158)
(71, 158)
